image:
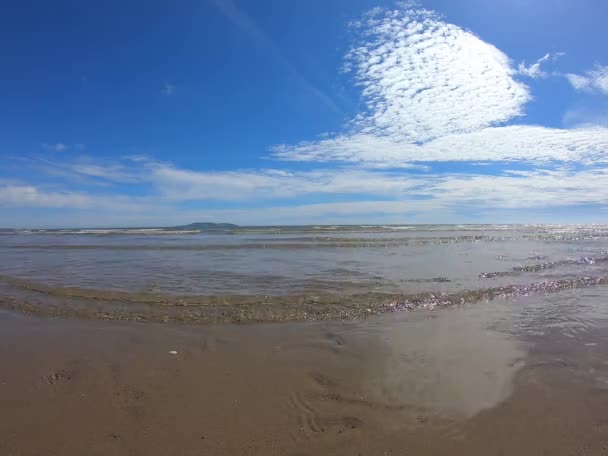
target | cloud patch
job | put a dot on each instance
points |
(511, 187)
(592, 81)
(168, 89)
(423, 78)
(535, 70)
(26, 195)
(524, 143)
(436, 92)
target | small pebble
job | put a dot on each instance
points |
(173, 352)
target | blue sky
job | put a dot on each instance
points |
(274, 112)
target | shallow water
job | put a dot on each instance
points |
(336, 271)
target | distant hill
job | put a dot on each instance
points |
(206, 226)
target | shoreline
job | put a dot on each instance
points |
(71, 302)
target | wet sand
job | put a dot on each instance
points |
(423, 383)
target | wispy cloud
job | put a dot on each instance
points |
(511, 143)
(584, 117)
(508, 188)
(56, 147)
(273, 184)
(29, 195)
(244, 22)
(535, 70)
(34, 196)
(168, 89)
(85, 170)
(594, 81)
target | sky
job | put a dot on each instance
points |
(256, 112)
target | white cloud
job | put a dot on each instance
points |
(29, 195)
(168, 89)
(115, 173)
(525, 189)
(33, 196)
(535, 71)
(584, 117)
(178, 184)
(85, 169)
(171, 185)
(510, 143)
(423, 78)
(436, 92)
(578, 82)
(595, 80)
(424, 197)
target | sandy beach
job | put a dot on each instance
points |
(424, 383)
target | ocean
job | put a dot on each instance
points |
(291, 273)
